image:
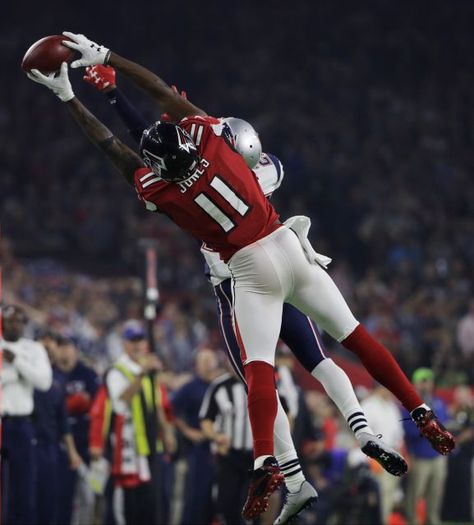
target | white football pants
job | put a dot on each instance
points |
(270, 272)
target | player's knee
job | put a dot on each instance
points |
(346, 331)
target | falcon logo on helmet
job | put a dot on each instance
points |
(157, 164)
(184, 140)
(169, 151)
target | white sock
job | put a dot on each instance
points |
(258, 462)
(424, 405)
(285, 452)
(339, 388)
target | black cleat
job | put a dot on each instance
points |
(388, 458)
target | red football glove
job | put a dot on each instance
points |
(164, 116)
(101, 77)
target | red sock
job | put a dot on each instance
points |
(262, 405)
(382, 366)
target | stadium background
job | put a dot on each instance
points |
(369, 107)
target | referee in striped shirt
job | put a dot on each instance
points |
(224, 420)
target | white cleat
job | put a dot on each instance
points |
(296, 502)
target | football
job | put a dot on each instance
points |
(47, 54)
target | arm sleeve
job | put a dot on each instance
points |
(9, 374)
(128, 113)
(179, 401)
(280, 172)
(209, 408)
(93, 383)
(116, 384)
(98, 416)
(269, 173)
(33, 364)
(61, 417)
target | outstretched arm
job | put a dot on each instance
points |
(103, 79)
(157, 88)
(125, 159)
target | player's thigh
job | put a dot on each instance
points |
(302, 337)
(257, 322)
(316, 295)
(260, 282)
(265, 267)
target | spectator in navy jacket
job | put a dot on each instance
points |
(52, 430)
(193, 444)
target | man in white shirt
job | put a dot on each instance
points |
(384, 417)
(25, 367)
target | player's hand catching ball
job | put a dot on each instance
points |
(101, 77)
(91, 52)
(58, 83)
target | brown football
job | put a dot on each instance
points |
(47, 54)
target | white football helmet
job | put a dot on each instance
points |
(245, 140)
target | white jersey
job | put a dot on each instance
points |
(30, 369)
(269, 172)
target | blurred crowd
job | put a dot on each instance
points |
(414, 324)
(371, 111)
(107, 452)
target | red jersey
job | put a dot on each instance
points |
(221, 203)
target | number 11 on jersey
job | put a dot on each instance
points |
(214, 211)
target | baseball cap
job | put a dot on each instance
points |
(422, 374)
(133, 331)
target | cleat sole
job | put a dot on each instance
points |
(308, 504)
(259, 508)
(393, 463)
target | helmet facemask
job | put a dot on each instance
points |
(169, 151)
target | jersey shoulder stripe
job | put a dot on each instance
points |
(269, 172)
(278, 166)
(197, 119)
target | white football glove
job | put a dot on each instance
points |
(58, 83)
(91, 52)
